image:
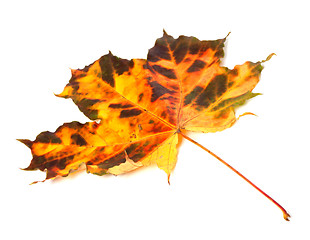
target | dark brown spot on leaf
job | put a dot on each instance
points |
(130, 113)
(180, 50)
(120, 105)
(196, 66)
(213, 91)
(120, 65)
(77, 139)
(113, 161)
(51, 164)
(192, 95)
(234, 72)
(158, 90)
(159, 51)
(62, 163)
(169, 73)
(106, 66)
(48, 137)
(85, 105)
(131, 63)
(194, 46)
(140, 97)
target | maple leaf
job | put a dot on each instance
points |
(144, 106)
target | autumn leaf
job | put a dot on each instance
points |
(142, 108)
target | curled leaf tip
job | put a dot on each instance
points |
(269, 57)
(244, 114)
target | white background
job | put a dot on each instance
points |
(40, 41)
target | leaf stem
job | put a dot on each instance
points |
(285, 213)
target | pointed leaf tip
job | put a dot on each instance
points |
(35, 182)
(227, 35)
(27, 142)
(63, 94)
(164, 33)
(60, 95)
